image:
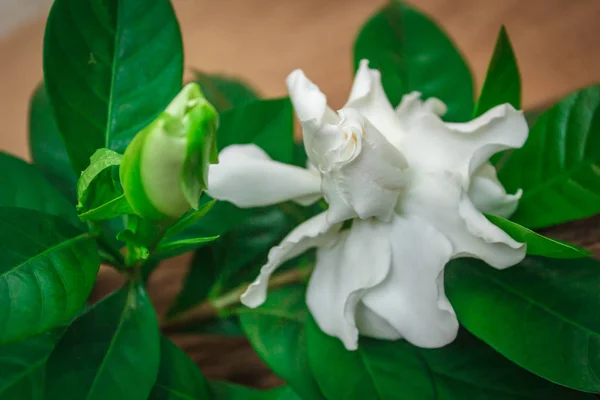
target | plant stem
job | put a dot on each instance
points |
(211, 309)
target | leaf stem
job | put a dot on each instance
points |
(211, 309)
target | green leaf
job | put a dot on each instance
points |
(170, 249)
(230, 391)
(111, 352)
(25, 187)
(179, 377)
(110, 67)
(266, 123)
(541, 314)
(47, 270)
(502, 82)
(22, 366)
(538, 245)
(276, 331)
(100, 161)
(413, 53)
(111, 209)
(464, 369)
(234, 258)
(47, 147)
(224, 92)
(558, 168)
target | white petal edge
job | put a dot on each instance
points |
(368, 97)
(441, 200)
(311, 233)
(309, 102)
(359, 260)
(411, 298)
(248, 177)
(488, 195)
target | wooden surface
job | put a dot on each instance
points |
(556, 42)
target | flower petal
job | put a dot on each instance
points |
(411, 299)
(371, 324)
(368, 98)
(440, 199)
(369, 184)
(311, 233)
(247, 177)
(488, 195)
(359, 260)
(432, 145)
(309, 102)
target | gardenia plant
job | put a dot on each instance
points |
(416, 197)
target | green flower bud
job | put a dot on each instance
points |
(165, 167)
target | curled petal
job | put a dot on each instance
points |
(369, 184)
(247, 177)
(411, 298)
(440, 199)
(359, 260)
(488, 195)
(312, 233)
(309, 102)
(368, 98)
(432, 145)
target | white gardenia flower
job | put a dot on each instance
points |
(415, 189)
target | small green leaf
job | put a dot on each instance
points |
(22, 366)
(382, 370)
(114, 208)
(111, 352)
(414, 54)
(177, 247)
(502, 82)
(538, 245)
(25, 187)
(230, 391)
(276, 331)
(100, 161)
(558, 168)
(540, 314)
(178, 377)
(47, 270)
(110, 67)
(224, 92)
(47, 147)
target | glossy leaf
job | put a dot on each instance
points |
(47, 147)
(276, 331)
(224, 92)
(502, 82)
(110, 67)
(189, 218)
(559, 166)
(179, 377)
(101, 160)
(25, 187)
(538, 245)
(170, 249)
(22, 366)
(111, 352)
(464, 369)
(234, 258)
(47, 270)
(116, 207)
(414, 54)
(541, 314)
(230, 391)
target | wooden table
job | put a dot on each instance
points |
(556, 42)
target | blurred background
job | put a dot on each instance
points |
(556, 42)
(261, 41)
